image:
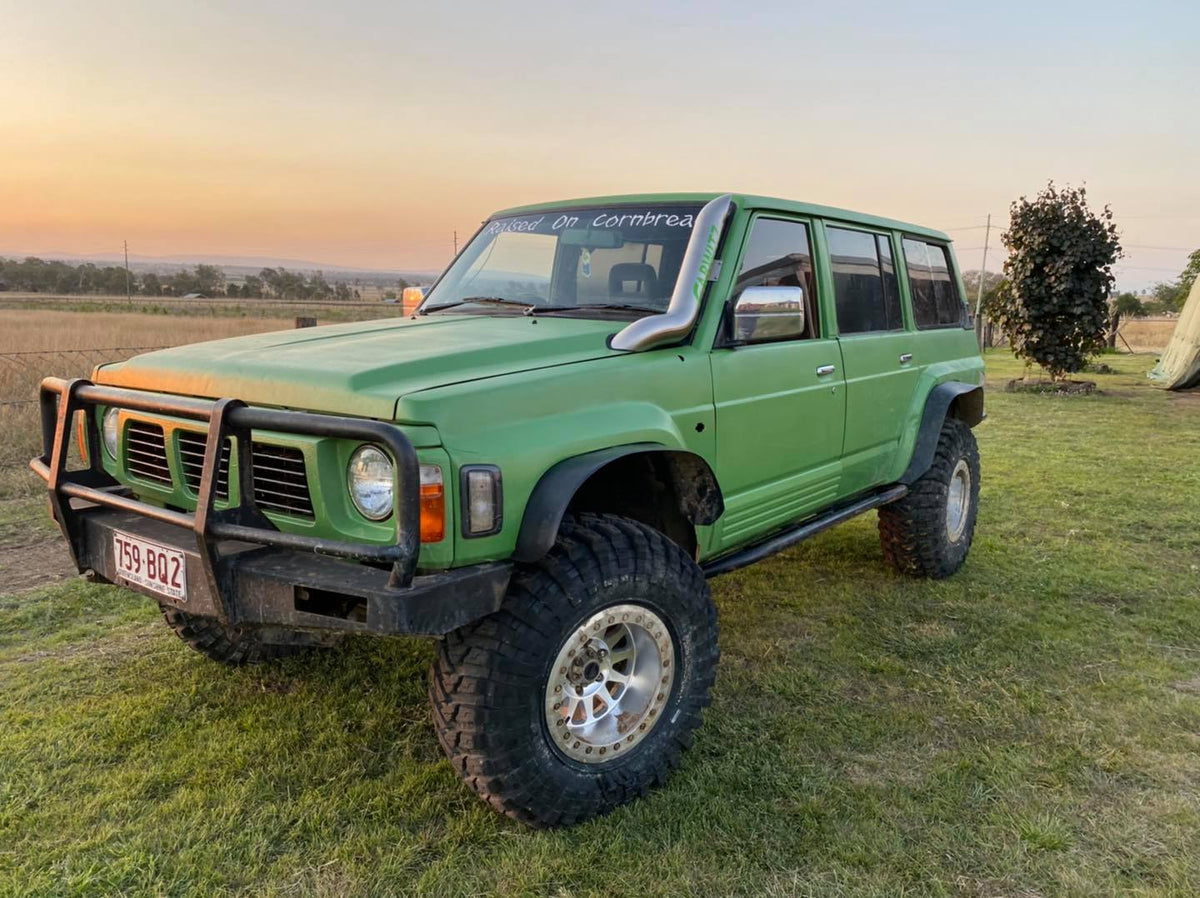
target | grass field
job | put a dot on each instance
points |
(1028, 727)
(371, 306)
(1147, 334)
(38, 342)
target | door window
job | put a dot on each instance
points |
(935, 297)
(864, 281)
(778, 254)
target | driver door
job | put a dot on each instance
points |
(780, 397)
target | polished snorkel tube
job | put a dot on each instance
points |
(677, 320)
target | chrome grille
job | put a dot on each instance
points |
(146, 452)
(191, 455)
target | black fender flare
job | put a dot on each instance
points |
(968, 402)
(553, 493)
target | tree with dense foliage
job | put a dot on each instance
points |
(1128, 305)
(151, 285)
(34, 275)
(1166, 297)
(1054, 307)
(252, 286)
(1169, 296)
(1190, 272)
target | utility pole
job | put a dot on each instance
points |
(456, 244)
(979, 291)
(128, 284)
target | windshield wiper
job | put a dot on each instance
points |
(607, 306)
(479, 300)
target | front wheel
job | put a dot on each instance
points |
(582, 692)
(928, 533)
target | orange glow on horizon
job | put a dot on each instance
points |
(368, 134)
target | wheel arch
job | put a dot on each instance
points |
(690, 492)
(952, 399)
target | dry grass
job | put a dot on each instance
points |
(28, 329)
(1147, 334)
(57, 337)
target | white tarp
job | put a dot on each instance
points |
(1179, 367)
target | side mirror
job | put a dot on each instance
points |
(762, 314)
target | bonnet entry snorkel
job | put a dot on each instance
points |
(681, 312)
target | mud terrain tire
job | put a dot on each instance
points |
(494, 685)
(234, 646)
(928, 533)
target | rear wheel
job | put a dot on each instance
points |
(582, 692)
(928, 533)
(231, 645)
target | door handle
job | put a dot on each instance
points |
(826, 369)
(905, 358)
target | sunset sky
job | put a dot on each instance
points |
(365, 133)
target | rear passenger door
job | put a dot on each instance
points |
(780, 405)
(877, 351)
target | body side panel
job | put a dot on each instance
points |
(529, 422)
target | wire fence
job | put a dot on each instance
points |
(23, 517)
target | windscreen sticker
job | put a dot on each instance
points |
(641, 220)
(585, 263)
(606, 219)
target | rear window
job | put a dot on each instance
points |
(935, 298)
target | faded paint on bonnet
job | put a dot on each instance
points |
(1179, 367)
(363, 368)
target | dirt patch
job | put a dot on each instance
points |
(1192, 686)
(1051, 387)
(36, 564)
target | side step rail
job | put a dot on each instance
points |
(740, 558)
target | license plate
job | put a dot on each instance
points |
(157, 568)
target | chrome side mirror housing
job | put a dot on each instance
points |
(763, 314)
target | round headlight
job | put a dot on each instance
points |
(370, 479)
(111, 431)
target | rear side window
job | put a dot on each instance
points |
(864, 281)
(935, 298)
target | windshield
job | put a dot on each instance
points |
(570, 260)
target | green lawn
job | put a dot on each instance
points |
(1029, 727)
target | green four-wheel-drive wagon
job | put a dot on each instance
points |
(600, 404)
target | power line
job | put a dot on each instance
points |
(1174, 249)
(1142, 268)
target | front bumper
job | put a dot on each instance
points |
(240, 569)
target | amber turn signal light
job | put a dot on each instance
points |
(410, 299)
(81, 438)
(433, 505)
